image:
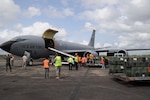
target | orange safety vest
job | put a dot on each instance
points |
(46, 63)
(79, 59)
(83, 60)
(149, 69)
(102, 61)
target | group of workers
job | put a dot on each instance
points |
(81, 61)
(10, 61)
(57, 62)
(77, 62)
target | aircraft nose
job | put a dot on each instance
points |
(6, 46)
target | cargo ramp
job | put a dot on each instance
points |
(58, 51)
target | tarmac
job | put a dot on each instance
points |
(84, 84)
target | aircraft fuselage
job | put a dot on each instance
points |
(37, 46)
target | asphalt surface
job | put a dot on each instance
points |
(84, 84)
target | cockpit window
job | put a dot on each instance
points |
(20, 39)
(17, 39)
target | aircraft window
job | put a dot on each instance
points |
(22, 46)
(31, 46)
(38, 47)
(20, 40)
(17, 39)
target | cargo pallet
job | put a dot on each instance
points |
(130, 68)
(123, 77)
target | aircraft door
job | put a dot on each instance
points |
(49, 43)
(48, 38)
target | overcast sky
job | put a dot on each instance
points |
(118, 23)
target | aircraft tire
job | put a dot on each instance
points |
(30, 63)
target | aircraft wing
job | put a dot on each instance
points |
(82, 52)
(73, 51)
(102, 50)
(107, 50)
(111, 52)
(136, 49)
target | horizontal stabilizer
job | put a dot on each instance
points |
(66, 54)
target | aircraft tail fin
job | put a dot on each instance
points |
(49, 33)
(92, 40)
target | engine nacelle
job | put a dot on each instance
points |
(123, 51)
(112, 52)
(90, 52)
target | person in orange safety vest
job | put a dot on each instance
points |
(46, 65)
(79, 60)
(103, 62)
(83, 61)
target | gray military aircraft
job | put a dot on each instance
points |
(41, 47)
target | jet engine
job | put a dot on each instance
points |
(90, 52)
(112, 52)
